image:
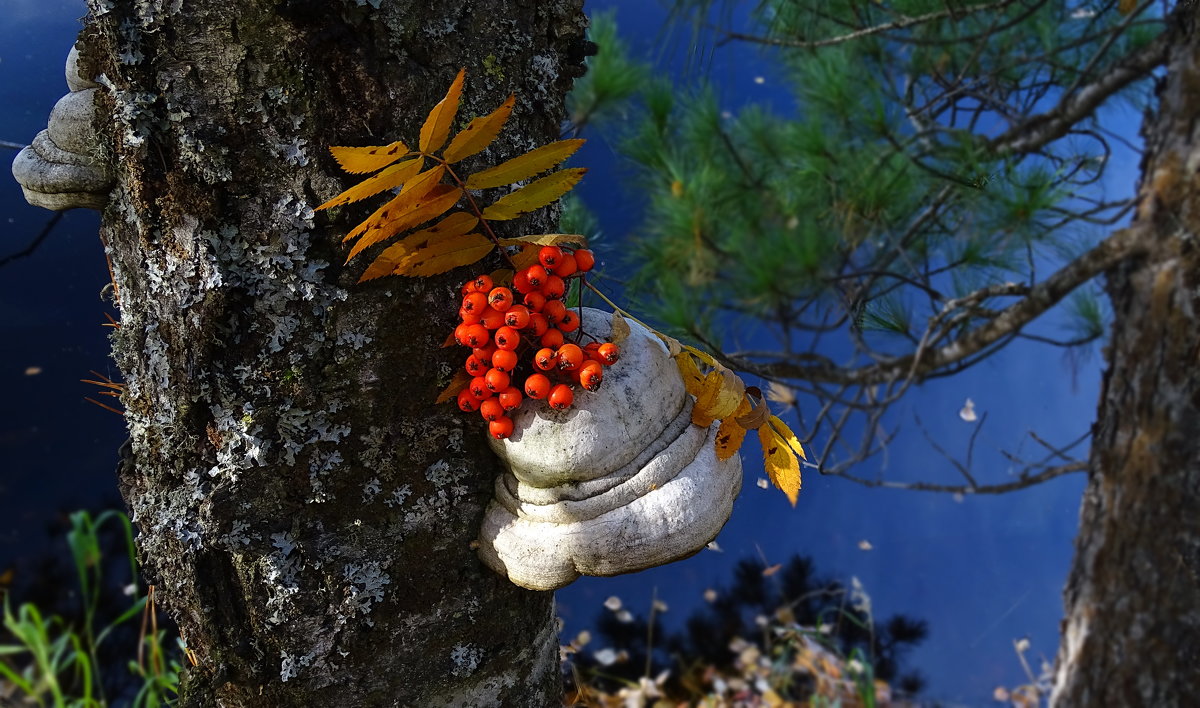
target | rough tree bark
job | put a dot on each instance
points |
(1132, 632)
(305, 511)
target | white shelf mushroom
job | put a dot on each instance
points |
(60, 169)
(620, 482)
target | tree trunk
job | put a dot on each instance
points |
(304, 509)
(1132, 632)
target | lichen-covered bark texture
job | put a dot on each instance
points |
(1132, 632)
(304, 509)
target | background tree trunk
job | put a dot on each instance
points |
(305, 511)
(1132, 632)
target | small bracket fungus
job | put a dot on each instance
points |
(60, 170)
(620, 482)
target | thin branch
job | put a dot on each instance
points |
(1021, 483)
(11, 145)
(28, 250)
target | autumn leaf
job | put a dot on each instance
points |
(390, 178)
(437, 124)
(693, 380)
(731, 434)
(502, 277)
(545, 240)
(524, 166)
(619, 329)
(479, 133)
(456, 224)
(446, 255)
(759, 415)
(781, 464)
(413, 191)
(433, 204)
(527, 256)
(785, 433)
(359, 160)
(721, 393)
(457, 384)
(534, 195)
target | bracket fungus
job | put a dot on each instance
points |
(60, 170)
(621, 482)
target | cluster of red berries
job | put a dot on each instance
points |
(498, 330)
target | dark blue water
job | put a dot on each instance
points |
(983, 571)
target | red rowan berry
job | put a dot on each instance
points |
(554, 288)
(590, 375)
(504, 360)
(521, 282)
(491, 409)
(517, 317)
(492, 319)
(570, 357)
(569, 321)
(474, 303)
(566, 266)
(549, 256)
(585, 260)
(537, 275)
(476, 335)
(478, 388)
(554, 311)
(561, 397)
(500, 299)
(495, 380)
(475, 367)
(501, 427)
(609, 353)
(545, 359)
(535, 301)
(552, 338)
(467, 401)
(468, 317)
(482, 283)
(537, 386)
(507, 338)
(484, 354)
(510, 398)
(460, 334)
(538, 324)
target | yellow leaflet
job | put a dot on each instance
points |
(731, 434)
(756, 418)
(782, 466)
(457, 384)
(445, 255)
(433, 204)
(437, 124)
(390, 178)
(502, 277)
(358, 160)
(722, 393)
(457, 224)
(413, 190)
(545, 240)
(479, 133)
(693, 380)
(524, 166)
(619, 330)
(527, 256)
(702, 356)
(785, 433)
(534, 195)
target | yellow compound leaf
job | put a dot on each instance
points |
(479, 133)
(701, 355)
(782, 466)
(456, 224)
(359, 160)
(437, 124)
(502, 277)
(413, 191)
(785, 433)
(433, 204)
(545, 240)
(754, 419)
(527, 256)
(457, 384)
(693, 380)
(390, 178)
(534, 195)
(441, 256)
(731, 434)
(524, 166)
(722, 392)
(619, 330)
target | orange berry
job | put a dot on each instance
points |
(491, 409)
(501, 427)
(537, 386)
(569, 321)
(504, 360)
(554, 311)
(482, 283)
(609, 353)
(535, 301)
(585, 260)
(561, 397)
(467, 401)
(484, 353)
(476, 335)
(552, 338)
(517, 317)
(468, 317)
(554, 288)
(474, 303)
(478, 388)
(500, 299)
(510, 398)
(545, 359)
(538, 324)
(521, 282)
(475, 367)
(566, 267)
(549, 256)
(537, 275)
(496, 380)
(507, 338)
(491, 318)
(460, 334)
(570, 357)
(590, 375)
